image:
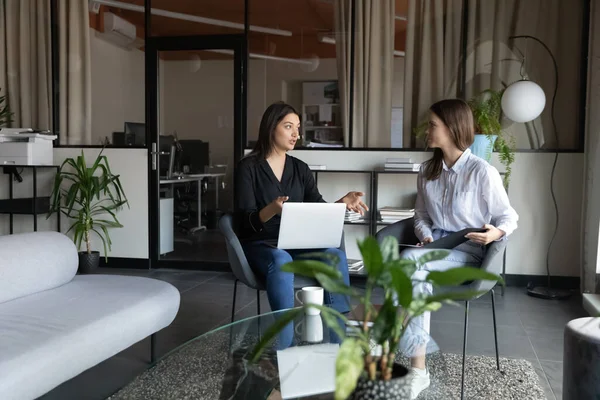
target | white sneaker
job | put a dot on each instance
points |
(419, 382)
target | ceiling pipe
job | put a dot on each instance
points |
(191, 18)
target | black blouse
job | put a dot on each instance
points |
(256, 186)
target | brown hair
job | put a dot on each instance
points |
(457, 116)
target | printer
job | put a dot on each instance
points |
(25, 147)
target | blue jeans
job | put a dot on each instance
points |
(267, 261)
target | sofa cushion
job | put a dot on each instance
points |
(48, 338)
(33, 262)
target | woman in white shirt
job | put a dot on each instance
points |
(455, 190)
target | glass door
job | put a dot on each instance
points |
(197, 138)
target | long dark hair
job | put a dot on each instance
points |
(266, 133)
(458, 117)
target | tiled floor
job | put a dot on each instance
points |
(528, 328)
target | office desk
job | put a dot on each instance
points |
(196, 178)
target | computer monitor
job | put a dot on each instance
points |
(138, 129)
(194, 154)
(166, 145)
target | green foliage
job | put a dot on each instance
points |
(487, 113)
(92, 199)
(385, 269)
(5, 114)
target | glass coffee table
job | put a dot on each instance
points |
(300, 363)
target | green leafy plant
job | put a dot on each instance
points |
(5, 114)
(92, 199)
(385, 269)
(487, 113)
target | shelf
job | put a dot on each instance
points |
(25, 206)
(314, 128)
(359, 222)
(342, 171)
(387, 171)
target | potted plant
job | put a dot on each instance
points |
(92, 199)
(487, 113)
(5, 114)
(358, 370)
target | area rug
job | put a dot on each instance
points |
(207, 369)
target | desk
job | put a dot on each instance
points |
(196, 178)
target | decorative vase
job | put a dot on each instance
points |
(397, 388)
(88, 263)
(483, 146)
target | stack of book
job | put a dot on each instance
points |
(355, 265)
(401, 164)
(395, 214)
(353, 216)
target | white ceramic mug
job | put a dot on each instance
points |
(310, 329)
(311, 295)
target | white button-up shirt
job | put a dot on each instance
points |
(468, 195)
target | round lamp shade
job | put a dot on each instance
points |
(523, 101)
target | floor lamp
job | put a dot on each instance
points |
(524, 101)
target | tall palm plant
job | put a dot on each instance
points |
(92, 199)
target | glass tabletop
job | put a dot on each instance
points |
(298, 364)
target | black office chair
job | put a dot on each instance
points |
(405, 233)
(241, 269)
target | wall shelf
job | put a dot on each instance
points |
(26, 205)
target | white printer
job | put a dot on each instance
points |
(23, 147)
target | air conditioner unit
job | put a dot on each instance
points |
(120, 32)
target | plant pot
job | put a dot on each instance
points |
(88, 263)
(397, 388)
(483, 146)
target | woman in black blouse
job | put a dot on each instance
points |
(267, 178)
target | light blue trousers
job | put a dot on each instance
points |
(417, 334)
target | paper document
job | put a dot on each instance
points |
(307, 370)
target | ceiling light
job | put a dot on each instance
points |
(264, 57)
(193, 18)
(330, 40)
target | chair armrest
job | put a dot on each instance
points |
(403, 230)
(492, 263)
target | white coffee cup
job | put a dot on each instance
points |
(311, 329)
(311, 295)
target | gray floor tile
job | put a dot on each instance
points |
(547, 343)
(554, 372)
(544, 383)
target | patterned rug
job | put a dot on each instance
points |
(195, 373)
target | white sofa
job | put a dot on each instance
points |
(55, 324)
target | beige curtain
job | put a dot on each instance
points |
(373, 70)
(432, 62)
(25, 67)
(494, 61)
(75, 73)
(590, 245)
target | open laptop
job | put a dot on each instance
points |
(311, 225)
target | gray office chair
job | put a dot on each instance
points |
(241, 269)
(404, 232)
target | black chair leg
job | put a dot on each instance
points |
(464, 354)
(495, 329)
(234, 295)
(258, 302)
(153, 348)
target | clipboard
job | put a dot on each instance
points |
(448, 242)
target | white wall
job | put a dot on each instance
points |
(118, 92)
(529, 193)
(131, 241)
